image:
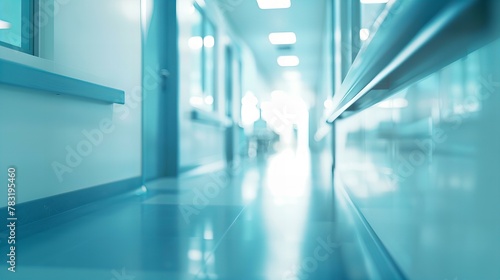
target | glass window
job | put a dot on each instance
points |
(209, 63)
(195, 44)
(370, 12)
(16, 24)
(202, 46)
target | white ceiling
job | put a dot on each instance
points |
(305, 17)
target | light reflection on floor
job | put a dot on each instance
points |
(265, 221)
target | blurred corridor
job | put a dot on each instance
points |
(220, 226)
(249, 139)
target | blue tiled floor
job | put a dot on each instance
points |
(271, 219)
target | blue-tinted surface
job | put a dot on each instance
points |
(10, 19)
(423, 167)
(272, 220)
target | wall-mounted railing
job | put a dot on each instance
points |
(415, 39)
(20, 75)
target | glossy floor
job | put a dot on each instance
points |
(274, 218)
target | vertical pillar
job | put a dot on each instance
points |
(160, 89)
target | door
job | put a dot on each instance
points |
(160, 127)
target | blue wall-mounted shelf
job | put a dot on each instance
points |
(415, 39)
(20, 75)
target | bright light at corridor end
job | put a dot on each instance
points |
(4, 24)
(292, 75)
(274, 4)
(283, 38)
(288, 60)
(396, 103)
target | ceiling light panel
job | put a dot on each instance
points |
(283, 38)
(288, 60)
(274, 4)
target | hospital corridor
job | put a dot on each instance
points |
(249, 139)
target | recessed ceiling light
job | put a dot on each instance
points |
(274, 4)
(288, 60)
(4, 24)
(282, 38)
(374, 1)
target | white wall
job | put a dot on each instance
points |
(94, 40)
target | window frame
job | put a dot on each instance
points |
(205, 22)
